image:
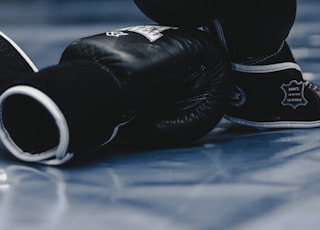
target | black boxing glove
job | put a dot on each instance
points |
(186, 13)
(14, 62)
(194, 108)
(102, 82)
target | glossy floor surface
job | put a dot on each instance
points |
(233, 179)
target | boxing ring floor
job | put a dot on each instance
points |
(234, 178)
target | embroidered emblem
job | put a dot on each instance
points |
(238, 97)
(294, 94)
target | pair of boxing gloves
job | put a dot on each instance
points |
(151, 84)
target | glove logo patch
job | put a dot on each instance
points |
(151, 32)
(116, 33)
(238, 97)
(294, 94)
